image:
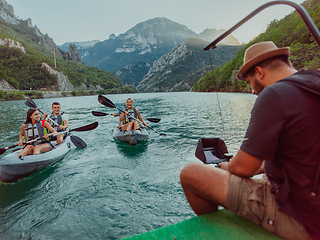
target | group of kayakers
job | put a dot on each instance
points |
(35, 127)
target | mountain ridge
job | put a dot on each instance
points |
(135, 50)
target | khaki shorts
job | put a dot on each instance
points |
(252, 199)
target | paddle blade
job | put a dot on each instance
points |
(105, 101)
(154, 120)
(2, 150)
(99, 114)
(78, 142)
(30, 103)
(85, 128)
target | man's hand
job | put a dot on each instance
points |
(61, 127)
(59, 139)
(45, 136)
(45, 115)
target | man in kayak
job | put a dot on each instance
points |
(130, 111)
(282, 140)
(32, 129)
(56, 116)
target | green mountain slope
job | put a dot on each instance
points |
(23, 67)
(289, 31)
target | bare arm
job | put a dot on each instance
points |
(51, 129)
(65, 125)
(121, 117)
(140, 117)
(21, 135)
(243, 164)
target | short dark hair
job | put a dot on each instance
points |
(270, 64)
(55, 103)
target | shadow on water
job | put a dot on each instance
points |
(15, 192)
(132, 151)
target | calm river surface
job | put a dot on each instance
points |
(111, 190)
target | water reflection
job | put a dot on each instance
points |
(132, 151)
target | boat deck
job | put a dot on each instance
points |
(222, 224)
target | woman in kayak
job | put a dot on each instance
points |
(130, 111)
(33, 128)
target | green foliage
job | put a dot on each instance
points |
(34, 94)
(23, 70)
(13, 95)
(2, 94)
(289, 31)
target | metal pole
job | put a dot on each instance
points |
(300, 9)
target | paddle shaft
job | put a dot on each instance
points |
(31, 103)
(79, 129)
(162, 134)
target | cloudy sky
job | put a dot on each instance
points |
(84, 20)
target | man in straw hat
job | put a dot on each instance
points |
(282, 140)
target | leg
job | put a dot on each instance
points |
(41, 148)
(130, 126)
(205, 187)
(135, 125)
(28, 150)
(125, 127)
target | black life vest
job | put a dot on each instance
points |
(131, 112)
(57, 119)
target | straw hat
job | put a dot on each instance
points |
(259, 52)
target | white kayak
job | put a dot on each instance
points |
(13, 168)
(132, 136)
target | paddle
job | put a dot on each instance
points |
(105, 101)
(78, 142)
(102, 114)
(99, 114)
(30, 103)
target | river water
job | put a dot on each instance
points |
(111, 190)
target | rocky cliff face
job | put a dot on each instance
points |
(185, 64)
(74, 53)
(4, 85)
(152, 79)
(11, 43)
(7, 13)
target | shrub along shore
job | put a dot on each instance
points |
(8, 95)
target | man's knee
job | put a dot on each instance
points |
(188, 171)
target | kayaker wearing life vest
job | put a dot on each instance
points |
(130, 123)
(34, 128)
(60, 118)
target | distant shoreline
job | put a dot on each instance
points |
(13, 94)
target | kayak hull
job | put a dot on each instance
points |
(13, 168)
(131, 137)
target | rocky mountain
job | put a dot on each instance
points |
(27, 59)
(131, 54)
(173, 71)
(79, 45)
